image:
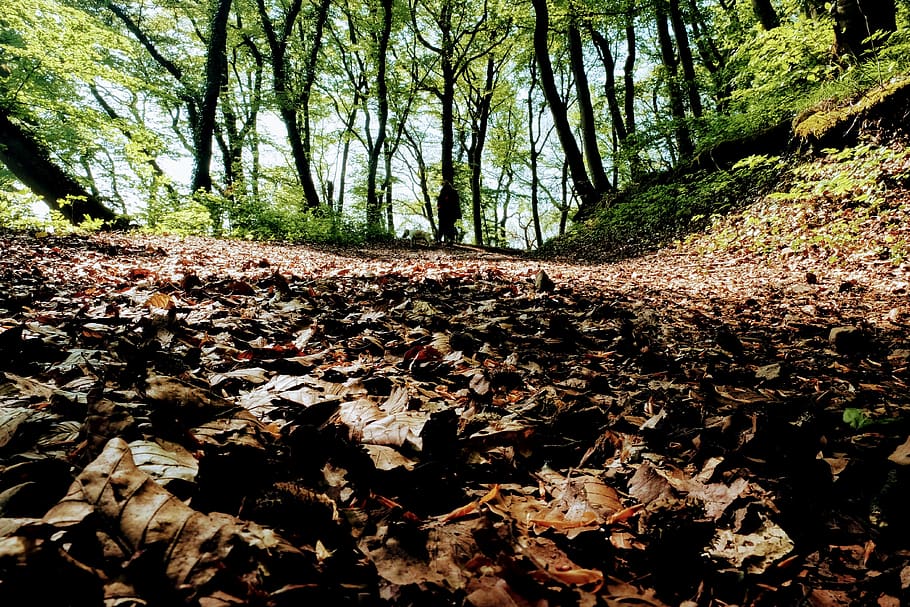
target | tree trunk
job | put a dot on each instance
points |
(765, 13)
(387, 186)
(857, 20)
(475, 151)
(374, 196)
(609, 63)
(214, 72)
(674, 94)
(448, 203)
(309, 79)
(30, 162)
(588, 124)
(345, 154)
(583, 187)
(422, 179)
(566, 200)
(287, 101)
(533, 140)
(712, 58)
(629, 72)
(685, 58)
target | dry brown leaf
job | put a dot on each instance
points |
(195, 546)
(388, 458)
(901, 455)
(552, 563)
(160, 300)
(471, 508)
(753, 552)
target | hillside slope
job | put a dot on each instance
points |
(835, 177)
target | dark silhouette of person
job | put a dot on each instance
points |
(448, 208)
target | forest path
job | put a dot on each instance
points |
(425, 426)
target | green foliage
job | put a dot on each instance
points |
(315, 226)
(857, 174)
(769, 78)
(822, 207)
(857, 418)
(16, 207)
(193, 218)
(775, 75)
(656, 213)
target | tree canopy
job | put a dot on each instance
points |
(302, 118)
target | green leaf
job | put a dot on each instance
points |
(857, 418)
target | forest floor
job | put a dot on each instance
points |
(203, 422)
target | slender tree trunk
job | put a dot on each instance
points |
(588, 124)
(685, 58)
(232, 151)
(253, 116)
(535, 153)
(583, 186)
(309, 79)
(296, 127)
(712, 58)
(475, 150)
(449, 202)
(31, 163)
(629, 72)
(374, 196)
(215, 70)
(609, 63)
(423, 181)
(566, 200)
(387, 187)
(674, 94)
(345, 153)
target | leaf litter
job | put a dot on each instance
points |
(199, 422)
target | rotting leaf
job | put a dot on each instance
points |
(618, 375)
(472, 507)
(552, 564)
(160, 300)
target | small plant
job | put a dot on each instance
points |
(191, 219)
(16, 208)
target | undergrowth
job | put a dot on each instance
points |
(646, 216)
(842, 205)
